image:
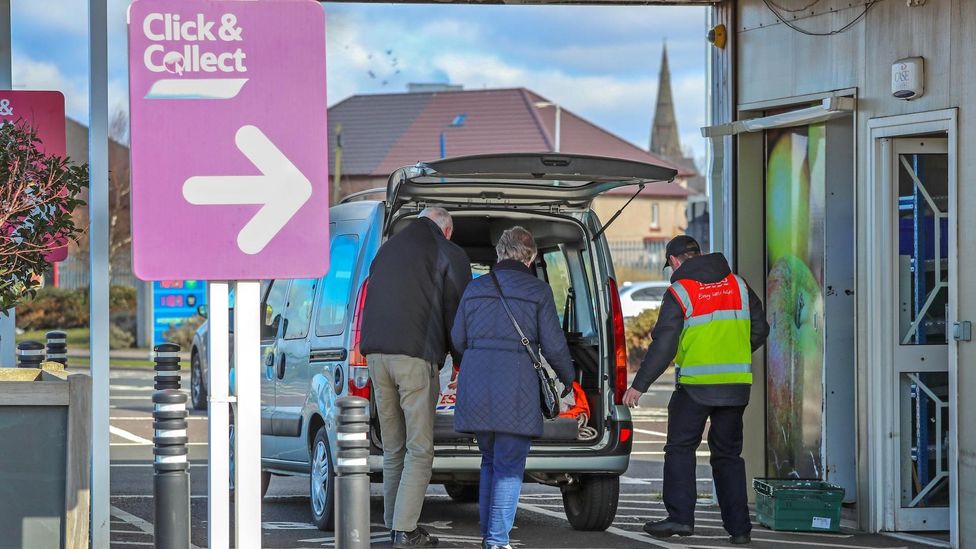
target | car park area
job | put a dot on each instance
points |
(541, 522)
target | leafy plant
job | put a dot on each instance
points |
(119, 338)
(38, 194)
(61, 309)
(637, 331)
(182, 335)
(54, 309)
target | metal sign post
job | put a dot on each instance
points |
(247, 454)
(218, 408)
(229, 143)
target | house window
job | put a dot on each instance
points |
(655, 215)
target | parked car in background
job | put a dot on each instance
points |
(310, 328)
(637, 297)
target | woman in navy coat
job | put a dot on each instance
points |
(498, 390)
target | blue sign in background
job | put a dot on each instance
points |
(174, 303)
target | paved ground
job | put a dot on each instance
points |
(540, 522)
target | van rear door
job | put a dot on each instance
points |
(543, 181)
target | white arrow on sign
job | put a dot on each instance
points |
(281, 189)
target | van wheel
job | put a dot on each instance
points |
(462, 493)
(592, 504)
(322, 482)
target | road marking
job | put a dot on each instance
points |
(635, 480)
(661, 453)
(649, 432)
(133, 520)
(150, 418)
(150, 496)
(150, 465)
(135, 388)
(780, 542)
(119, 432)
(634, 536)
(149, 443)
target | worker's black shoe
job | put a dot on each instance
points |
(666, 528)
(417, 538)
(741, 539)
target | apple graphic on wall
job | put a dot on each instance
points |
(787, 198)
(795, 349)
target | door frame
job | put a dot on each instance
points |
(877, 308)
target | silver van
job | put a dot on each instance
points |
(310, 328)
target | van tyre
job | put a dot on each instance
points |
(592, 504)
(322, 482)
(462, 493)
(198, 391)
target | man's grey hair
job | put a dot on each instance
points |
(516, 243)
(439, 216)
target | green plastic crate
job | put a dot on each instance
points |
(798, 505)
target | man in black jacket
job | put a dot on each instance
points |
(710, 323)
(415, 284)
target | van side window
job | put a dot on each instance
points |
(334, 299)
(273, 309)
(557, 271)
(299, 312)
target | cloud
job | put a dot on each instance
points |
(30, 74)
(68, 16)
(601, 63)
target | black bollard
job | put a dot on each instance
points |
(57, 347)
(166, 357)
(171, 476)
(352, 469)
(30, 354)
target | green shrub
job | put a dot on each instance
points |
(119, 338)
(54, 309)
(61, 309)
(122, 299)
(182, 335)
(637, 331)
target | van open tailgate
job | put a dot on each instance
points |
(542, 180)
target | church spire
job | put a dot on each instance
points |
(664, 131)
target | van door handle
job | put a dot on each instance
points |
(269, 360)
(281, 367)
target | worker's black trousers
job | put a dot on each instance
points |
(686, 424)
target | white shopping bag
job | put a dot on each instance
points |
(567, 401)
(448, 392)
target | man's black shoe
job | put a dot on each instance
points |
(665, 529)
(417, 538)
(741, 539)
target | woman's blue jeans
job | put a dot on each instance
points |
(502, 468)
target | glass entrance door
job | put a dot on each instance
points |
(920, 177)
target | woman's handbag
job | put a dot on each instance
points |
(548, 397)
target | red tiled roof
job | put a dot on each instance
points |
(386, 131)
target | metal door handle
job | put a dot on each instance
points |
(269, 360)
(281, 367)
(962, 331)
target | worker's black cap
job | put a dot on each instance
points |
(680, 245)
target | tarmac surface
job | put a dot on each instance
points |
(540, 523)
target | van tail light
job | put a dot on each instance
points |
(619, 343)
(358, 374)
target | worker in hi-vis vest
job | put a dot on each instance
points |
(710, 323)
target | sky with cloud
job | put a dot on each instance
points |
(601, 62)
